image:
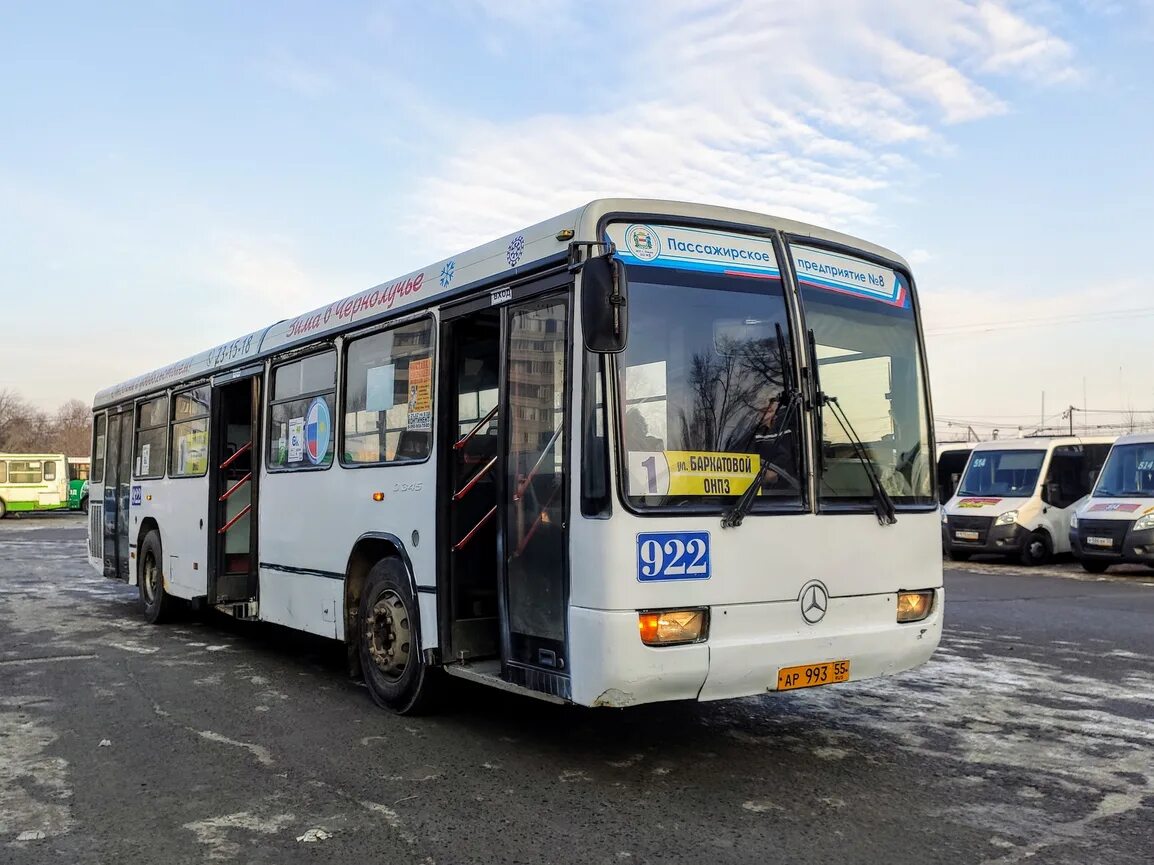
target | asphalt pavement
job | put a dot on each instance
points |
(1027, 738)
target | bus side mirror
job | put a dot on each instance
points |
(604, 304)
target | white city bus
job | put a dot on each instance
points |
(32, 482)
(642, 451)
(1116, 525)
(1016, 496)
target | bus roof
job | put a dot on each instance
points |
(518, 253)
(1041, 443)
(1135, 439)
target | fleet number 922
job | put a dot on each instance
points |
(673, 556)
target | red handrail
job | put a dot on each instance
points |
(461, 543)
(234, 520)
(469, 435)
(247, 446)
(235, 487)
(463, 491)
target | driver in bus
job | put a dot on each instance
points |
(775, 442)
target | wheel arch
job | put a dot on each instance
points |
(369, 549)
(148, 524)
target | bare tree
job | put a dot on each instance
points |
(25, 429)
(73, 429)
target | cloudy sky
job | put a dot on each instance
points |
(174, 174)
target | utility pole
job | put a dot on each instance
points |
(1071, 415)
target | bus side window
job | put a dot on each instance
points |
(49, 470)
(3, 472)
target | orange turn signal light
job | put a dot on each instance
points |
(378, 497)
(672, 627)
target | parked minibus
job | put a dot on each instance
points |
(1116, 524)
(1016, 496)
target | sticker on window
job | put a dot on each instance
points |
(691, 473)
(663, 556)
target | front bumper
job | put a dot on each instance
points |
(997, 540)
(1133, 547)
(747, 645)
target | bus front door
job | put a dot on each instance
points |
(117, 492)
(535, 525)
(504, 589)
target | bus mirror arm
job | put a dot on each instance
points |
(604, 298)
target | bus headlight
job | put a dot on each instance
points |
(1007, 518)
(673, 627)
(915, 606)
(1144, 523)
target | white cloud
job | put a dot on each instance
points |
(805, 110)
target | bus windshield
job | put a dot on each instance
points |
(861, 320)
(702, 385)
(1129, 472)
(1002, 473)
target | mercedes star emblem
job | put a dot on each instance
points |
(814, 602)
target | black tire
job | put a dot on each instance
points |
(959, 555)
(1037, 550)
(159, 606)
(1095, 567)
(84, 505)
(389, 640)
(3, 509)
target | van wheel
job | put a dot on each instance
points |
(159, 606)
(1036, 550)
(1095, 567)
(390, 643)
(959, 556)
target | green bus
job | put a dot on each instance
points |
(78, 468)
(33, 482)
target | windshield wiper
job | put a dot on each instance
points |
(734, 517)
(883, 504)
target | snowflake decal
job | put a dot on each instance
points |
(447, 273)
(516, 250)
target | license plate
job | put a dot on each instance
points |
(812, 675)
(1100, 542)
(966, 536)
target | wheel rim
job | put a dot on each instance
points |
(150, 578)
(1037, 550)
(390, 637)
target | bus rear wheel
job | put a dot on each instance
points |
(3, 509)
(159, 606)
(84, 505)
(389, 639)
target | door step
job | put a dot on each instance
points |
(246, 611)
(489, 673)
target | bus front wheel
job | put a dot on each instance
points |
(158, 604)
(389, 640)
(1036, 550)
(3, 509)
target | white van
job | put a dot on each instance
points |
(1016, 497)
(1116, 524)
